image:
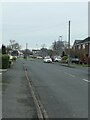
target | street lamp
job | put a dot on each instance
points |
(69, 44)
(60, 38)
(60, 45)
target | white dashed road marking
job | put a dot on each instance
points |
(70, 74)
(3, 70)
(85, 80)
(74, 76)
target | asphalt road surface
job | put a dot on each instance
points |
(0, 94)
(62, 90)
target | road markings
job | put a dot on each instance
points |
(0, 73)
(3, 70)
(85, 80)
(70, 74)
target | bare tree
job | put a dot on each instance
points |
(14, 45)
(43, 45)
(58, 47)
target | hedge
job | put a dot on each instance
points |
(64, 57)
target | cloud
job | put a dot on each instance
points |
(34, 22)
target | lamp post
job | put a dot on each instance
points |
(60, 45)
(69, 44)
(60, 38)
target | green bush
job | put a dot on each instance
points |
(5, 61)
(65, 58)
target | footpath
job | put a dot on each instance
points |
(17, 101)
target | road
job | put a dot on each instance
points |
(62, 90)
(0, 94)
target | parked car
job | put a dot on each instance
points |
(47, 59)
(39, 57)
(75, 60)
(57, 59)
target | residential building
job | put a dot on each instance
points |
(81, 49)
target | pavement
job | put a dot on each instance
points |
(17, 101)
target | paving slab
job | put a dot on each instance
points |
(17, 101)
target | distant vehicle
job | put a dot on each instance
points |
(57, 59)
(75, 60)
(47, 59)
(39, 57)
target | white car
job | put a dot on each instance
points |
(57, 59)
(47, 60)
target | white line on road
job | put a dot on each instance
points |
(69, 74)
(85, 80)
(3, 70)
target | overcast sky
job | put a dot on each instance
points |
(43, 23)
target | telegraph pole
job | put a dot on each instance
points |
(61, 49)
(69, 44)
(26, 50)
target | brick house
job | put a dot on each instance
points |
(81, 50)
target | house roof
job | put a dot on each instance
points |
(86, 40)
(76, 42)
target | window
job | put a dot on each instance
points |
(79, 47)
(83, 46)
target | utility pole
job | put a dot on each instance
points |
(26, 50)
(61, 47)
(69, 44)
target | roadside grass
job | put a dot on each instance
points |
(75, 65)
(81, 65)
(31, 59)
